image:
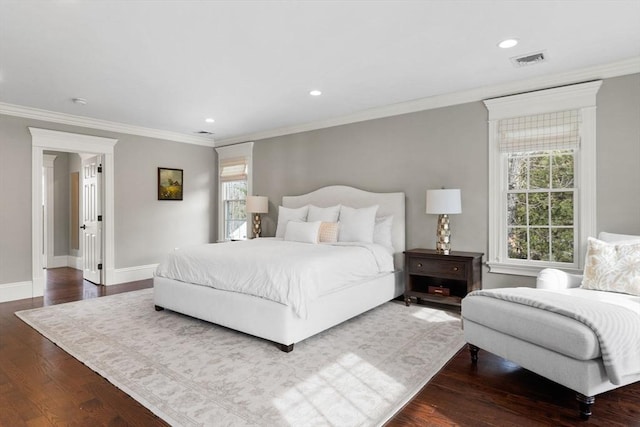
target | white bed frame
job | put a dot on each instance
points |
(277, 322)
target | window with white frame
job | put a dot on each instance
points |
(234, 172)
(542, 179)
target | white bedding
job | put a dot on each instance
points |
(287, 272)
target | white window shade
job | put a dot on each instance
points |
(550, 131)
(234, 169)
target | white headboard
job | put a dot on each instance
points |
(389, 204)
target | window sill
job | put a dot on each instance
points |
(525, 270)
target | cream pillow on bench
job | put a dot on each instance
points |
(613, 267)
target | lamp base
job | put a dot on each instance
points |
(443, 233)
(257, 225)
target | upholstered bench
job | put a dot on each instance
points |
(540, 330)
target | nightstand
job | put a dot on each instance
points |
(445, 279)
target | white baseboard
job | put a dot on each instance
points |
(23, 290)
(74, 262)
(65, 261)
(58, 261)
(131, 274)
(15, 291)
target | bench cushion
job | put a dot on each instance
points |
(546, 329)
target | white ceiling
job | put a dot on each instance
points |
(168, 65)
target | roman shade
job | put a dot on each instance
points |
(559, 130)
(234, 169)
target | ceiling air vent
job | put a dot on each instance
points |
(528, 59)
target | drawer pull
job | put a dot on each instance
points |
(455, 268)
(419, 265)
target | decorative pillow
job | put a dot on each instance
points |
(613, 267)
(356, 225)
(382, 231)
(305, 232)
(288, 214)
(328, 232)
(329, 214)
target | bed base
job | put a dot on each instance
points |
(587, 378)
(270, 320)
(585, 402)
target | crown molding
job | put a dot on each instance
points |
(615, 69)
(87, 122)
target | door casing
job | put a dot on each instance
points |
(44, 139)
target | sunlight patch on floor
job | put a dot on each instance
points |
(348, 392)
(435, 316)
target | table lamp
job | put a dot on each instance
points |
(257, 205)
(443, 203)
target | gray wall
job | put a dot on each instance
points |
(145, 228)
(410, 153)
(618, 151)
(15, 205)
(447, 147)
(61, 202)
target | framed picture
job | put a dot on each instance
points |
(170, 184)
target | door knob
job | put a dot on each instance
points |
(83, 227)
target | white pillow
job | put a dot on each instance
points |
(613, 267)
(382, 231)
(329, 214)
(288, 214)
(356, 225)
(305, 232)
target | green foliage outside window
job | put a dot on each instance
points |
(235, 213)
(540, 206)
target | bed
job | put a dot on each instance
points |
(278, 321)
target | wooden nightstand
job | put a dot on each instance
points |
(445, 279)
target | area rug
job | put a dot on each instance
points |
(190, 372)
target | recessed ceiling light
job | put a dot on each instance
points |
(315, 93)
(209, 120)
(80, 101)
(506, 44)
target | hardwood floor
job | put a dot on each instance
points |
(41, 385)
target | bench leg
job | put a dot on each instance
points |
(585, 405)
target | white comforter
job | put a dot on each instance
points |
(287, 272)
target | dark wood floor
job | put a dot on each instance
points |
(41, 385)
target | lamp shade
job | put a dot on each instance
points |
(444, 201)
(257, 204)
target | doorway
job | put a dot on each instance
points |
(72, 203)
(43, 139)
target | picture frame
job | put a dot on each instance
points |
(170, 183)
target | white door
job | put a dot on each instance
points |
(92, 220)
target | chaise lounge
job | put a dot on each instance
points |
(581, 331)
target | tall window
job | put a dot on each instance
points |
(540, 194)
(542, 179)
(234, 167)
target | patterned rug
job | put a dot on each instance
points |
(189, 372)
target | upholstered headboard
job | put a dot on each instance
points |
(389, 204)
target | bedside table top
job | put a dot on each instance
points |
(432, 252)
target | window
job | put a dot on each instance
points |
(542, 179)
(234, 167)
(235, 215)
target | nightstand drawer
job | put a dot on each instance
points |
(449, 269)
